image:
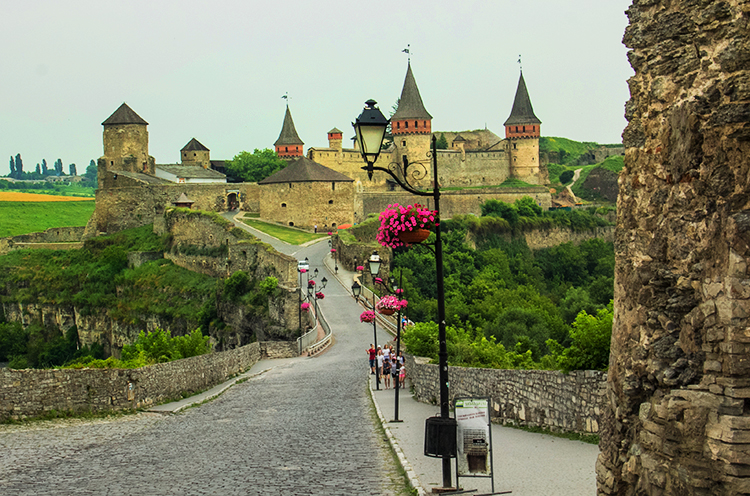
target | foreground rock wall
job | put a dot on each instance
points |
(28, 393)
(539, 398)
(678, 420)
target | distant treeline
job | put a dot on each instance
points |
(41, 171)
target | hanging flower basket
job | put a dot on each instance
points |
(333, 250)
(388, 305)
(310, 284)
(413, 237)
(367, 316)
(397, 221)
(304, 307)
(319, 295)
(360, 268)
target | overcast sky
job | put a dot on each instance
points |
(217, 70)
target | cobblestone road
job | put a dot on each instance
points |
(304, 427)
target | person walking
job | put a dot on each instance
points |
(379, 371)
(386, 372)
(402, 376)
(372, 352)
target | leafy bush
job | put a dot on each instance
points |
(566, 176)
(590, 339)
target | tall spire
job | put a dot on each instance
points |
(410, 104)
(289, 144)
(411, 116)
(523, 112)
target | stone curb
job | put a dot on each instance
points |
(410, 473)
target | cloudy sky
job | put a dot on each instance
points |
(217, 70)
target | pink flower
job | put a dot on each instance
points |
(304, 306)
(333, 250)
(303, 270)
(360, 267)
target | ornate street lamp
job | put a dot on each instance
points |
(370, 125)
(370, 129)
(356, 290)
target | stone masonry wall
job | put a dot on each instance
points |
(540, 398)
(28, 393)
(678, 397)
(53, 235)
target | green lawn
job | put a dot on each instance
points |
(291, 236)
(27, 217)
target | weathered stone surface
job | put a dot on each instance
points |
(680, 356)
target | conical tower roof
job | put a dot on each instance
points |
(194, 146)
(288, 134)
(523, 112)
(304, 170)
(410, 105)
(124, 115)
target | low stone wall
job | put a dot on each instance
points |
(540, 398)
(56, 238)
(28, 393)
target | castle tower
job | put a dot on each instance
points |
(288, 145)
(522, 129)
(194, 153)
(125, 144)
(335, 139)
(411, 125)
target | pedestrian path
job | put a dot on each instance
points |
(528, 464)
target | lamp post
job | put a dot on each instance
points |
(374, 265)
(370, 129)
(393, 288)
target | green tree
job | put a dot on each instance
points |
(19, 167)
(58, 167)
(72, 169)
(504, 210)
(566, 176)
(38, 169)
(590, 339)
(442, 142)
(45, 171)
(256, 166)
(91, 172)
(527, 207)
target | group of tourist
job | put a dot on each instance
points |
(386, 366)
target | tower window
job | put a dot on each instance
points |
(516, 128)
(403, 143)
(514, 147)
(330, 202)
(524, 129)
(283, 205)
(286, 148)
(193, 154)
(406, 124)
(398, 125)
(416, 124)
(290, 184)
(533, 128)
(333, 186)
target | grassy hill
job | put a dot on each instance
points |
(20, 217)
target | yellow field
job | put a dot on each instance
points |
(33, 197)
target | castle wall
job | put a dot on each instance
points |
(678, 396)
(451, 202)
(457, 169)
(134, 205)
(305, 204)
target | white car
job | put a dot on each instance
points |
(303, 264)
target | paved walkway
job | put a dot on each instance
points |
(295, 426)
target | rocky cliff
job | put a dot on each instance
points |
(678, 418)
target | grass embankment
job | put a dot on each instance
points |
(291, 236)
(35, 215)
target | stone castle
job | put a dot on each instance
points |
(326, 187)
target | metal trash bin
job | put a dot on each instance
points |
(440, 437)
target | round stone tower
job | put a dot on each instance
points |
(125, 144)
(522, 129)
(411, 125)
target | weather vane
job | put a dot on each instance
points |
(520, 66)
(407, 51)
(286, 97)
